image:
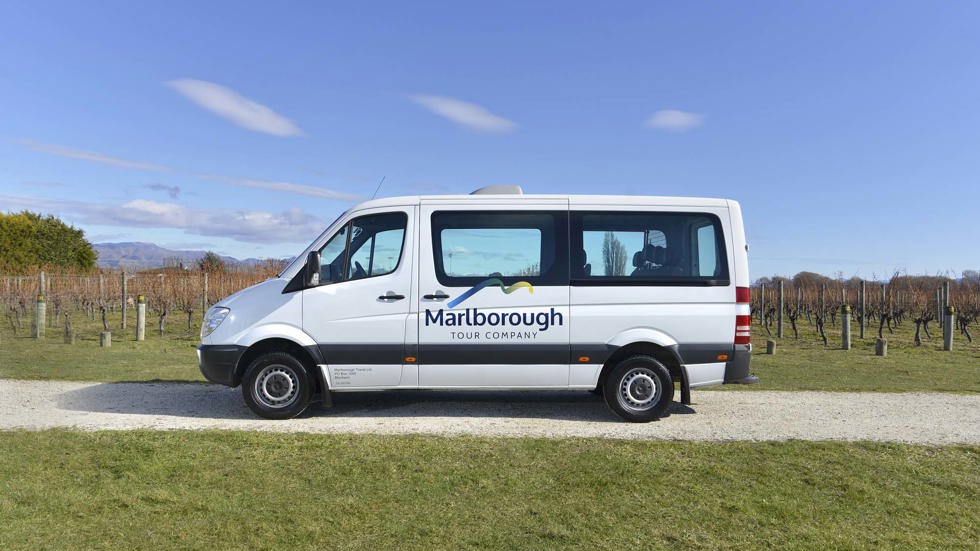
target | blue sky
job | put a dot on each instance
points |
(849, 131)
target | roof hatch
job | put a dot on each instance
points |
(499, 190)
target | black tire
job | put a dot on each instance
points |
(639, 389)
(277, 386)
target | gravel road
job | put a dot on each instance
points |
(928, 418)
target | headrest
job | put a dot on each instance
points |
(655, 254)
(579, 258)
(638, 259)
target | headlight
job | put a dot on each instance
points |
(212, 320)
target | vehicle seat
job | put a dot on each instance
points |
(648, 261)
(580, 265)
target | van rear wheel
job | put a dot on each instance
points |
(276, 386)
(639, 389)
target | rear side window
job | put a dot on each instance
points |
(473, 246)
(647, 248)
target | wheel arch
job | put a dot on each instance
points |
(666, 355)
(308, 356)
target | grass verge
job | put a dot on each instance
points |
(806, 364)
(171, 357)
(182, 490)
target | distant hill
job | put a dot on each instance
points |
(149, 255)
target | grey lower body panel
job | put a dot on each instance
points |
(737, 369)
(218, 362)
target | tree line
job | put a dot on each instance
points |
(29, 240)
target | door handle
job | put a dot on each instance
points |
(391, 296)
(439, 295)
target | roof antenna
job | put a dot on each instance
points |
(379, 187)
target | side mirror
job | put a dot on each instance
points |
(312, 275)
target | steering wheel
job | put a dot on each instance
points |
(359, 271)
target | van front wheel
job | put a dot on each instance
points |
(639, 389)
(276, 386)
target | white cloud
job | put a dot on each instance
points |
(247, 226)
(279, 187)
(92, 156)
(465, 114)
(674, 120)
(234, 107)
(282, 187)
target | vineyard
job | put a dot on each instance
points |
(112, 295)
(811, 305)
(875, 308)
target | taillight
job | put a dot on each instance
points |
(743, 321)
(743, 295)
(743, 329)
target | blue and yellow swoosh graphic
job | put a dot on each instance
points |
(493, 281)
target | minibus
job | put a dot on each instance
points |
(626, 296)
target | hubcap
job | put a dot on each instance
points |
(276, 386)
(639, 390)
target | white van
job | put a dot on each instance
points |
(621, 295)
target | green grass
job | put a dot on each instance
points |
(803, 364)
(168, 358)
(181, 490)
(806, 364)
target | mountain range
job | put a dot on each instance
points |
(150, 255)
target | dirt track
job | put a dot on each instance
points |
(715, 415)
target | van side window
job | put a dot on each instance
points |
(707, 251)
(473, 246)
(647, 248)
(368, 246)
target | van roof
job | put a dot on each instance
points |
(573, 200)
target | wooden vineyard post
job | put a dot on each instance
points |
(762, 305)
(949, 323)
(845, 326)
(779, 314)
(939, 305)
(40, 315)
(863, 309)
(105, 337)
(42, 291)
(141, 318)
(69, 333)
(881, 347)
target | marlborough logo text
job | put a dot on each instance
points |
(493, 281)
(473, 317)
(503, 325)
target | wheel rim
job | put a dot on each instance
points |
(639, 390)
(276, 386)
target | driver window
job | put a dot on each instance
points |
(368, 246)
(332, 257)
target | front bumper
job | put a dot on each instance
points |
(218, 362)
(737, 369)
